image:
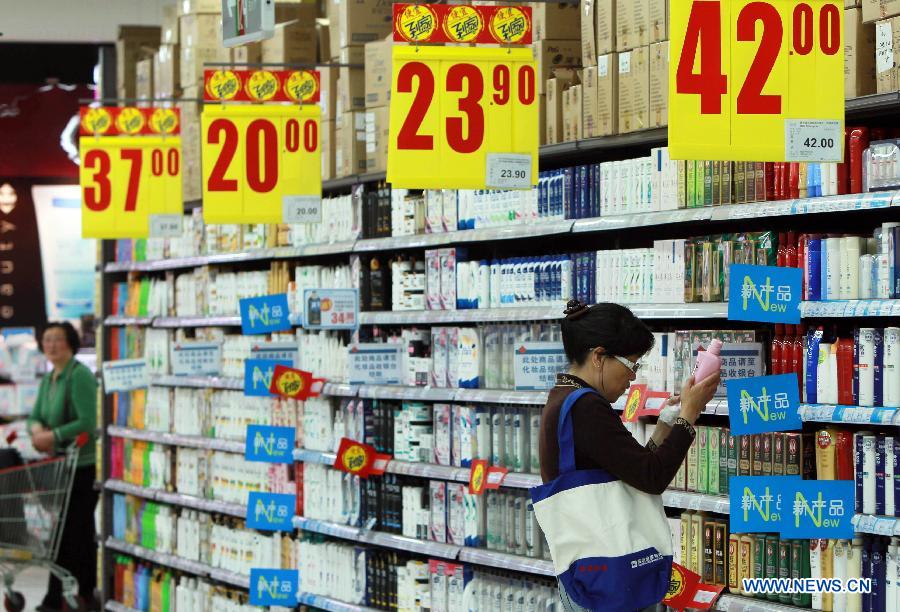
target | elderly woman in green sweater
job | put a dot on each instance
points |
(66, 406)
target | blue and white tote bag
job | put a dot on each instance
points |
(610, 543)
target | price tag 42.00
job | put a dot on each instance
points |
(256, 159)
(756, 80)
(452, 108)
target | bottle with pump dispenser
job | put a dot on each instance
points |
(708, 361)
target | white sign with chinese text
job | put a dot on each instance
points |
(537, 364)
(376, 364)
(191, 358)
(125, 375)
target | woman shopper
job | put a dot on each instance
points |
(66, 406)
(600, 506)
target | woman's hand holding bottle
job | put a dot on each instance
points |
(695, 396)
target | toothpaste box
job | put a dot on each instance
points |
(443, 433)
(438, 496)
(465, 447)
(439, 356)
(456, 513)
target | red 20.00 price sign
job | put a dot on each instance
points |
(756, 80)
(463, 118)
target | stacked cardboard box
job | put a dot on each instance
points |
(144, 82)
(133, 44)
(859, 55)
(295, 40)
(377, 99)
(200, 34)
(643, 64)
(558, 55)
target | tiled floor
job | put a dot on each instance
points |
(32, 583)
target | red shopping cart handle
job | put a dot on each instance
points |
(81, 439)
(12, 437)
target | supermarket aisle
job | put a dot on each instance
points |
(32, 583)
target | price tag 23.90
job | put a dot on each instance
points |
(452, 107)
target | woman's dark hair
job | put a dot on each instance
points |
(611, 326)
(72, 338)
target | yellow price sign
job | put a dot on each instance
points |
(258, 161)
(125, 180)
(463, 118)
(753, 80)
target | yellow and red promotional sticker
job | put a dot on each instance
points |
(634, 403)
(231, 85)
(483, 476)
(462, 23)
(360, 459)
(756, 80)
(687, 591)
(128, 121)
(294, 384)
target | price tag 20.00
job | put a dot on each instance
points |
(302, 208)
(745, 73)
(257, 158)
(452, 107)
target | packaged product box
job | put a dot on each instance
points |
(326, 142)
(377, 56)
(550, 20)
(702, 458)
(143, 84)
(377, 138)
(659, 84)
(553, 111)
(588, 36)
(605, 26)
(657, 25)
(685, 552)
(873, 10)
(132, 43)
(707, 558)
(712, 479)
(362, 21)
(692, 465)
(249, 53)
(333, 14)
(572, 103)
(352, 81)
(550, 54)
(887, 54)
(190, 7)
(438, 490)
(590, 103)
(191, 170)
(778, 453)
(826, 458)
(634, 90)
(200, 30)
(632, 24)
(323, 35)
(607, 95)
(169, 25)
(350, 145)
(859, 55)
(294, 42)
(328, 78)
(193, 59)
(166, 72)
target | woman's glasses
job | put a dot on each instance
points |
(634, 366)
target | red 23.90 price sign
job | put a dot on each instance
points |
(463, 118)
(759, 80)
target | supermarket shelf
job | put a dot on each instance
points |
(117, 320)
(428, 317)
(738, 603)
(879, 525)
(177, 499)
(403, 392)
(829, 413)
(687, 500)
(873, 104)
(501, 396)
(515, 563)
(555, 153)
(172, 439)
(355, 179)
(217, 321)
(200, 382)
(646, 219)
(850, 308)
(174, 561)
(329, 604)
(115, 606)
(806, 206)
(241, 581)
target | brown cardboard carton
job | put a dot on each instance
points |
(169, 31)
(132, 44)
(659, 84)
(352, 81)
(573, 128)
(333, 14)
(851, 4)
(656, 21)
(887, 54)
(377, 138)
(191, 171)
(634, 90)
(328, 78)
(554, 111)
(362, 21)
(166, 72)
(873, 10)
(193, 59)
(249, 53)
(555, 20)
(378, 73)
(607, 95)
(323, 34)
(542, 119)
(605, 26)
(305, 12)
(549, 54)
(588, 36)
(632, 24)
(294, 42)
(144, 80)
(590, 104)
(201, 30)
(859, 55)
(350, 145)
(326, 142)
(189, 7)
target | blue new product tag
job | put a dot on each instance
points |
(258, 375)
(269, 444)
(270, 511)
(818, 509)
(274, 587)
(763, 403)
(757, 503)
(265, 314)
(767, 294)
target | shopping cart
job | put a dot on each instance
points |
(33, 501)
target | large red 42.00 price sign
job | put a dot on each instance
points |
(463, 118)
(756, 80)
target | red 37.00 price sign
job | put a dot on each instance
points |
(128, 179)
(756, 80)
(463, 118)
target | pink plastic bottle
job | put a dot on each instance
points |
(708, 361)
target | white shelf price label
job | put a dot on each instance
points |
(165, 226)
(508, 171)
(813, 140)
(302, 208)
